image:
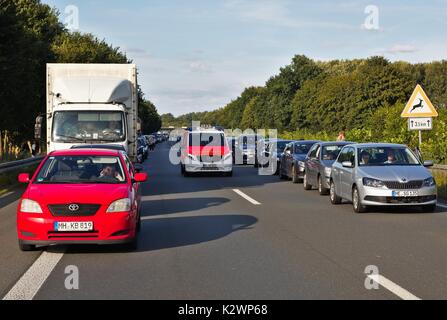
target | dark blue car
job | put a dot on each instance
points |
(292, 161)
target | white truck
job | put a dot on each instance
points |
(91, 104)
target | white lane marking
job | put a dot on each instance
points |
(6, 194)
(442, 206)
(249, 199)
(29, 284)
(394, 288)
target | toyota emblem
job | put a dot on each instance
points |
(73, 207)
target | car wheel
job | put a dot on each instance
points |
(429, 208)
(182, 169)
(357, 202)
(306, 184)
(229, 174)
(26, 247)
(322, 190)
(335, 199)
(295, 178)
(281, 175)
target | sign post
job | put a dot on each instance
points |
(420, 112)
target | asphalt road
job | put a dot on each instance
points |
(202, 240)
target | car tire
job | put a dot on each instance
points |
(229, 174)
(306, 184)
(322, 190)
(357, 202)
(429, 208)
(132, 245)
(182, 169)
(281, 175)
(26, 247)
(335, 199)
(295, 178)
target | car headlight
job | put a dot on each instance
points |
(429, 182)
(30, 206)
(122, 205)
(368, 182)
(327, 171)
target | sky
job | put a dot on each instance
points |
(199, 55)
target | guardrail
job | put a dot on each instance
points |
(13, 165)
(440, 167)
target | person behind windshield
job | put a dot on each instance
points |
(112, 129)
(110, 171)
(391, 157)
(365, 158)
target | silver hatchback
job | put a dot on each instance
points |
(382, 175)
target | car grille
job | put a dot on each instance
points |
(85, 210)
(396, 185)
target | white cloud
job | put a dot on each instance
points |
(401, 48)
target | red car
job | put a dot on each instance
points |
(81, 196)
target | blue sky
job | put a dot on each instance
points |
(199, 55)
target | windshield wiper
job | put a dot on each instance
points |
(70, 137)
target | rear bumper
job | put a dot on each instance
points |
(202, 168)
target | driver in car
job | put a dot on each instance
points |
(391, 157)
(110, 171)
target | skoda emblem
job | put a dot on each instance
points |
(73, 207)
(404, 180)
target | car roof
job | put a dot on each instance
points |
(336, 143)
(379, 145)
(305, 141)
(85, 152)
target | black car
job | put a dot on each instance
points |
(292, 161)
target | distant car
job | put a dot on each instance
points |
(274, 149)
(246, 149)
(118, 147)
(382, 175)
(142, 149)
(292, 161)
(318, 165)
(81, 196)
(205, 151)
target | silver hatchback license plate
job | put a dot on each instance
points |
(405, 194)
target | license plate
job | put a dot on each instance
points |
(209, 165)
(73, 226)
(405, 194)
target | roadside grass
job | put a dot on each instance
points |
(8, 180)
(441, 181)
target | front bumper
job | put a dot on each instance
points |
(108, 228)
(384, 197)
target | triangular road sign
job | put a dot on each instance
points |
(419, 106)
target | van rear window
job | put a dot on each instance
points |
(206, 139)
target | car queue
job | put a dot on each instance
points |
(367, 175)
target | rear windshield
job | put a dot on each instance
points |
(303, 148)
(330, 153)
(81, 170)
(206, 139)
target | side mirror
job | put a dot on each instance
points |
(138, 167)
(428, 164)
(140, 177)
(347, 164)
(24, 178)
(38, 128)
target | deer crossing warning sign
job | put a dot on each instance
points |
(419, 106)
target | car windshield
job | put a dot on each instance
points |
(280, 145)
(206, 139)
(75, 126)
(330, 153)
(386, 156)
(302, 148)
(81, 170)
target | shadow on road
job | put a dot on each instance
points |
(15, 195)
(171, 206)
(165, 233)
